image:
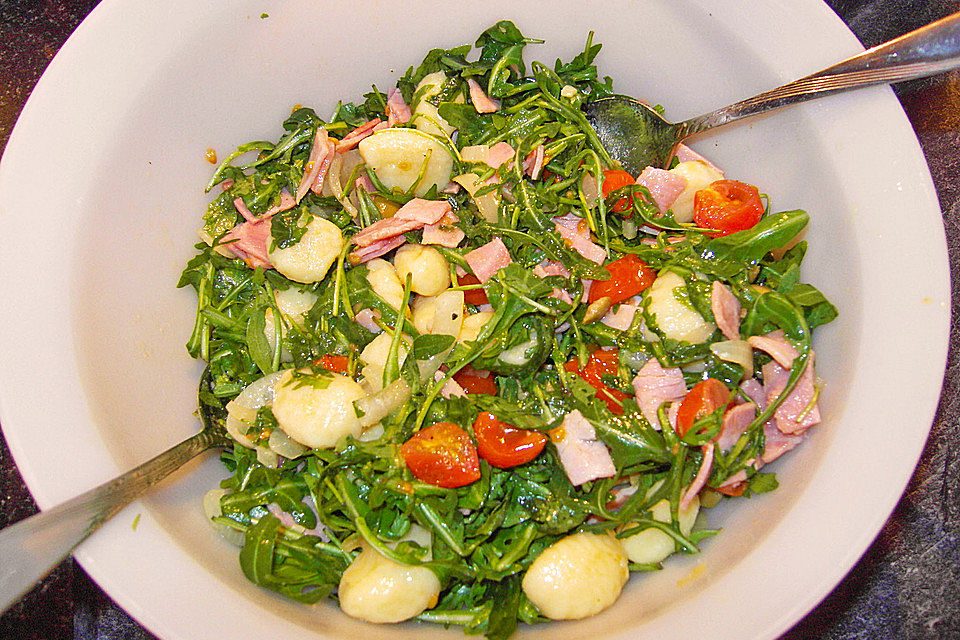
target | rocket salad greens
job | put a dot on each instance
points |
(462, 353)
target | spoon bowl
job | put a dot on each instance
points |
(636, 136)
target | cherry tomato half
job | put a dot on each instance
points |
(602, 361)
(614, 179)
(442, 455)
(473, 383)
(629, 276)
(727, 206)
(472, 296)
(705, 398)
(337, 364)
(503, 445)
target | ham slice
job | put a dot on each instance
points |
(549, 268)
(533, 163)
(397, 110)
(481, 102)
(248, 240)
(775, 344)
(575, 231)
(655, 385)
(582, 455)
(726, 310)
(622, 318)
(755, 392)
(486, 260)
(662, 185)
(776, 443)
(451, 388)
(444, 233)
(494, 156)
(375, 250)
(799, 411)
(414, 215)
(287, 201)
(686, 154)
(706, 463)
(321, 155)
(353, 138)
(735, 422)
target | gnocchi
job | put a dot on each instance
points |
(426, 117)
(578, 576)
(375, 588)
(429, 271)
(405, 159)
(374, 358)
(653, 545)
(385, 282)
(472, 325)
(309, 260)
(317, 410)
(699, 175)
(675, 319)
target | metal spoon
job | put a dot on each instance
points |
(638, 137)
(31, 548)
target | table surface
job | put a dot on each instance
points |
(906, 586)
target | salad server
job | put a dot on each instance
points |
(637, 136)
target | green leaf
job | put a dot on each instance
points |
(428, 345)
(746, 248)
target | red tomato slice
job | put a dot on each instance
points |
(442, 455)
(614, 179)
(337, 364)
(503, 445)
(476, 384)
(705, 398)
(602, 361)
(734, 490)
(472, 296)
(629, 276)
(727, 206)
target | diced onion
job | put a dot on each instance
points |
(211, 508)
(737, 352)
(281, 444)
(487, 203)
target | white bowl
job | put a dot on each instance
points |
(101, 194)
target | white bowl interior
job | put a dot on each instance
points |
(225, 76)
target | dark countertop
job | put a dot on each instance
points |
(907, 585)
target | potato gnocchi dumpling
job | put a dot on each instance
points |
(375, 588)
(578, 576)
(699, 175)
(426, 117)
(652, 545)
(675, 319)
(429, 271)
(402, 158)
(309, 260)
(385, 282)
(317, 410)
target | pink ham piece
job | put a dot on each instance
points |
(353, 138)
(416, 214)
(775, 344)
(366, 318)
(533, 163)
(287, 201)
(375, 250)
(622, 318)
(451, 388)
(655, 385)
(248, 240)
(364, 182)
(321, 155)
(481, 102)
(575, 231)
(486, 260)
(701, 478)
(582, 455)
(686, 154)
(452, 188)
(799, 411)
(494, 156)
(444, 233)
(397, 110)
(776, 443)
(549, 268)
(726, 310)
(735, 422)
(755, 392)
(662, 185)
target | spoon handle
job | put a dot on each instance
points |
(32, 547)
(924, 52)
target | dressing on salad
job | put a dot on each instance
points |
(476, 373)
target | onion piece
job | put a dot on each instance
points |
(735, 351)
(378, 406)
(211, 508)
(242, 410)
(283, 445)
(488, 204)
